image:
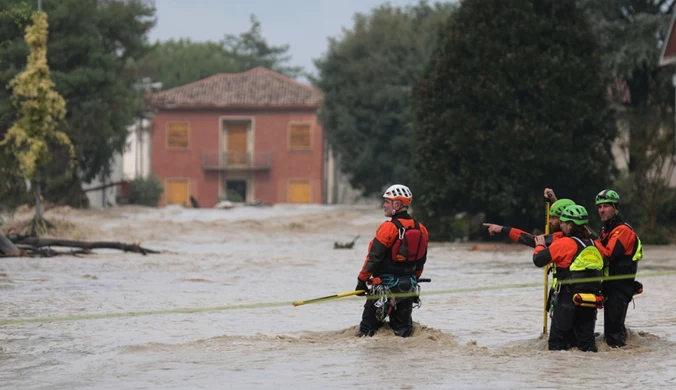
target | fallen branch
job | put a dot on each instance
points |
(30, 251)
(345, 245)
(104, 186)
(43, 242)
(8, 248)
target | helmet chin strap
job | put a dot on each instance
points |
(394, 211)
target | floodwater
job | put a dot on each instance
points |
(265, 258)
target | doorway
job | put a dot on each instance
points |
(177, 191)
(235, 190)
(236, 142)
(299, 191)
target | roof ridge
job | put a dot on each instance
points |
(258, 84)
(281, 76)
(191, 83)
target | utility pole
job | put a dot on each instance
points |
(145, 85)
(40, 5)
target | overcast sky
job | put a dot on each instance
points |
(304, 24)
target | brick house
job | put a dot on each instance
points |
(668, 58)
(246, 136)
(668, 55)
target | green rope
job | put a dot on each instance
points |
(279, 304)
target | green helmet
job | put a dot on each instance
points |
(558, 206)
(607, 196)
(576, 214)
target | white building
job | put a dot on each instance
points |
(133, 163)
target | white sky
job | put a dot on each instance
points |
(304, 24)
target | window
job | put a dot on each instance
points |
(178, 135)
(299, 137)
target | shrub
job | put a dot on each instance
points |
(234, 196)
(146, 191)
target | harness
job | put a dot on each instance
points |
(397, 272)
(625, 264)
(386, 302)
(587, 263)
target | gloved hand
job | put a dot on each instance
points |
(361, 285)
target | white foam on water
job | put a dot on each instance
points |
(284, 253)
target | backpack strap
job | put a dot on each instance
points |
(399, 226)
(401, 230)
(580, 241)
(396, 223)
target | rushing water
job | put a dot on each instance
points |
(215, 259)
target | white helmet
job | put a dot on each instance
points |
(399, 192)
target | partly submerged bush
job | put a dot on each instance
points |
(146, 191)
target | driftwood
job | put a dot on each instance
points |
(49, 252)
(345, 245)
(36, 242)
(19, 246)
(8, 248)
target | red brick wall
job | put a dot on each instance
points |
(670, 49)
(270, 135)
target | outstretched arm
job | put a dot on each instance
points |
(516, 235)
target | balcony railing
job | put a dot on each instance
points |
(236, 161)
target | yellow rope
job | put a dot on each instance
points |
(288, 303)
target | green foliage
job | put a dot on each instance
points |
(250, 50)
(40, 108)
(40, 111)
(458, 228)
(89, 74)
(632, 33)
(146, 191)
(20, 14)
(90, 42)
(179, 62)
(656, 227)
(367, 76)
(508, 108)
(234, 196)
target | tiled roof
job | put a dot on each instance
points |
(256, 88)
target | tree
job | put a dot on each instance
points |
(40, 109)
(179, 62)
(250, 50)
(507, 108)
(89, 45)
(19, 14)
(12, 186)
(367, 76)
(632, 33)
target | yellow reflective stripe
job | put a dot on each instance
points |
(639, 250)
(589, 259)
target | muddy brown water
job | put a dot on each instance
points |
(272, 256)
